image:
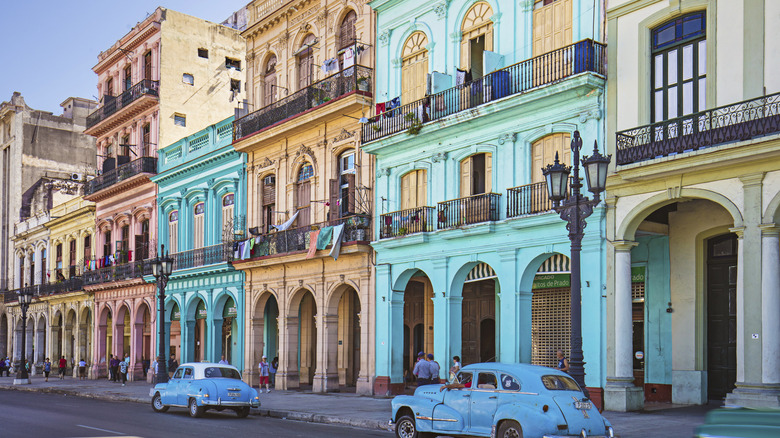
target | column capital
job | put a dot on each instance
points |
(739, 231)
(623, 245)
(770, 229)
(752, 179)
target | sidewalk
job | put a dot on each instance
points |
(365, 412)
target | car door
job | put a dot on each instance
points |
(484, 402)
(170, 395)
(459, 400)
(184, 386)
(579, 412)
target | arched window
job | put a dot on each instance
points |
(543, 153)
(342, 202)
(476, 175)
(269, 87)
(414, 67)
(477, 37)
(679, 74)
(142, 241)
(414, 189)
(552, 25)
(306, 62)
(268, 204)
(347, 30)
(173, 231)
(197, 225)
(227, 216)
(303, 194)
(72, 258)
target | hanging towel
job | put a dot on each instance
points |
(312, 243)
(324, 238)
(393, 104)
(349, 58)
(380, 108)
(287, 224)
(251, 243)
(460, 77)
(240, 252)
(338, 232)
(247, 253)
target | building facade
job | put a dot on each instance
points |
(693, 281)
(201, 189)
(472, 100)
(169, 76)
(308, 184)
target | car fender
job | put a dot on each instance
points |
(162, 389)
(533, 420)
(200, 389)
(421, 407)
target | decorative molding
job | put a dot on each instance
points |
(526, 5)
(384, 38)
(674, 192)
(344, 135)
(590, 115)
(307, 151)
(66, 187)
(322, 18)
(455, 37)
(396, 62)
(440, 9)
(509, 136)
(439, 157)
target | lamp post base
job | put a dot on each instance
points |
(22, 378)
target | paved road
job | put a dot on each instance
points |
(33, 415)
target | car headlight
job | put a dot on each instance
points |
(206, 395)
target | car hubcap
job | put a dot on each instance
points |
(511, 433)
(406, 429)
(158, 403)
(193, 408)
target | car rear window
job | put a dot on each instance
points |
(509, 383)
(229, 373)
(562, 383)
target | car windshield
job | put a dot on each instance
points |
(230, 373)
(562, 383)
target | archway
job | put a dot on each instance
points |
(478, 333)
(123, 332)
(142, 340)
(57, 336)
(418, 321)
(307, 338)
(104, 338)
(551, 311)
(3, 336)
(199, 334)
(174, 333)
(40, 339)
(229, 330)
(343, 338)
(721, 297)
(85, 336)
(70, 334)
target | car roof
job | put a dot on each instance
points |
(203, 365)
(515, 368)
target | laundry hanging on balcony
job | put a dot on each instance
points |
(338, 233)
(323, 240)
(349, 60)
(329, 66)
(287, 224)
(312, 243)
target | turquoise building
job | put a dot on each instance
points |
(201, 212)
(473, 99)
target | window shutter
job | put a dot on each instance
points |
(333, 211)
(350, 193)
(406, 182)
(488, 173)
(465, 177)
(422, 188)
(465, 52)
(489, 37)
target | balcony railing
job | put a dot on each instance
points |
(121, 173)
(112, 104)
(124, 271)
(527, 199)
(586, 55)
(469, 210)
(352, 79)
(73, 284)
(357, 228)
(209, 255)
(413, 220)
(738, 122)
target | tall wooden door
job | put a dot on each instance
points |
(543, 153)
(479, 305)
(414, 68)
(721, 316)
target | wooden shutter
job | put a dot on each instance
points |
(465, 177)
(173, 236)
(335, 192)
(350, 201)
(414, 68)
(304, 204)
(148, 65)
(422, 188)
(552, 27)
(406, 188)
(543, 153)
(488, 173)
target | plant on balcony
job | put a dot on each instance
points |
(416, 124)
(363, 84)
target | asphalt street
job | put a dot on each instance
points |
(32, 415)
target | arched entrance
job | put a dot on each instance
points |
(344, 338)
(104, 347)
(142, 339)
(3, 336)
(551, 311)
(264, 333)
(57, 336)
(40, 339)
(721, 297)
(85, 336)
(70, 338)
(174, 334)
(478, 332)
(122, 332)
(418, 322)
(307, 339)
(198, 337)
(229, 329)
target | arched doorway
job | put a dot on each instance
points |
(70, 333)
(348, 353)
(478, 333)
(3, 336)
(199, 331)
(271, 328)
(418, 321)
(721, 297)
(307, 339)
(174, 334)
(551, 311)
(56, 336)
(122, 331)
(85, 336)
(229, 330)
(40, 339)
(142, 339)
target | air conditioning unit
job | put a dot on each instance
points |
(76, 176)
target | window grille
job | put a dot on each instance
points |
(550, 325)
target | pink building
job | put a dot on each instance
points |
(167, 78)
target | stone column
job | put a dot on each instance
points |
(99, 364)
(137, 347)
(287, 377)
(326, 375)
(770, 303)
(620, 393)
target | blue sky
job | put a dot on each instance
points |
(50, 46)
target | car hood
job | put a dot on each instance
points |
(430, 391)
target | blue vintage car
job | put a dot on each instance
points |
(202, 386)
(500, 400)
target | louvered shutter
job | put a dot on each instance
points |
(465, 177)
(335, 193)
(406, 189)
(350, 201)
(488, 173)
(422, 188)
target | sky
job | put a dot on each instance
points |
(49, 47)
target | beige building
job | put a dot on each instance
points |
(310, 77)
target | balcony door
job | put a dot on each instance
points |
(543, 153)
(306, 62)
(227, 217)
(414, 189)
(414, 68)
(197, 225)
(552, 30)
(268, 190)
(476, 176)
(477, 30)
(303, 195)
(269, 87)
(173, 231)
(148, 65)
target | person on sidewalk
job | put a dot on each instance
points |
(264, 372)
(123, 371)
(454, 368)
(82, 369)
(145, 366)
(2, 366)
(421, 363)
(46, 369)
(272, 370)
(433, 369)
(172, 365)
(224, 361)
(63, 367)
(563, 363)
(114, 368)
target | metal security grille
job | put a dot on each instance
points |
(550, 325)
(638, 292)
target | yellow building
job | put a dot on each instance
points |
(310, 81)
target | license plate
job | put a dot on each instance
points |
(583, 405)
(234, 394)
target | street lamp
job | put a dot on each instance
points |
(574, 209)
(25, 298)
(161, 269)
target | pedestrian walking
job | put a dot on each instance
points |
(264, 372)
(7, 366)
(454, 368)
(63, 367)
(123, 371)
(172, 365)
(46, 369)
(224, 361)
(82, 369)
(2, 366)
(114, 368)
(272, 370)
(155, 367)
(433, 369)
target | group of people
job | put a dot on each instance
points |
(118, 368)
(426, 369)
(5, 366)
(267, 373)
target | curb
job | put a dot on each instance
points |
(307, 417)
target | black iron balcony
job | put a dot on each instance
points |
(205, 256)
(410, 221)
(352, 79)
(112, 104)
(357, 228)
(529, 199)
(121, 173)
(469, 210)
(738, 122)
(72, 284)
(586, 55)
(119, 272)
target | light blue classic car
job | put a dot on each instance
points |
(500, 400)
(202, 386)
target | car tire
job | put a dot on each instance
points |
(242, 412)
(406, 427)
(510, 429)
(157, 403)
(195, 410)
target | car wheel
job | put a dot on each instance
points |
(195, 410)
(405, 427)
(510, 429)
(242, 412)
(157, 404)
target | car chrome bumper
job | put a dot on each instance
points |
(230, 403)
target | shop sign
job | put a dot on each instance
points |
(201, 314)
(230, 312)
(637, 274)
(176, 316)
(548, 281)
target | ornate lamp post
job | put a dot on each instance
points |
(25, 298)
(161, 269)
(574, 209)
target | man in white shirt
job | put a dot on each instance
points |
(223, 361)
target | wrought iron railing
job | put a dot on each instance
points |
(72, 284)
(586, 55)
(527, 199)
(357, 228)
(352, 79)
(737, 122)
(413, 220)
(121, 173)
(112, 104)
(469, 210)
(119, 272)
(205, 256)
